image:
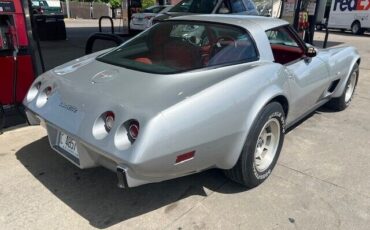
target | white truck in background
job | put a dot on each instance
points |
(351, 15)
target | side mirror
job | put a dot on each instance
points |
(311, 52)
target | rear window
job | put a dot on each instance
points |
(178, 46)
(195, 6)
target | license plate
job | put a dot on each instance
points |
(68, 144)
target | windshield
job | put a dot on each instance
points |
(178, 46)
(195, 6)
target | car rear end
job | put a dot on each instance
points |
(50, 7)
(141, 21)
(88, 128)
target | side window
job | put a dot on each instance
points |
(250, 5)
(281, 36)
(237, 6)
(285, 47)
(231, 45)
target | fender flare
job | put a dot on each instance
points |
(342, 84)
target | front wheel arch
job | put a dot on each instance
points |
(341, 86)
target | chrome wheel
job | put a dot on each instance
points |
(350, 87)
(267, 144)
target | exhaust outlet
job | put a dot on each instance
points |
(121, 176)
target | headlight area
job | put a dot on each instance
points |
(125, 135)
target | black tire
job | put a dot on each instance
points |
(245, 171)
(356, 28)
(340, 103)
(319, 27)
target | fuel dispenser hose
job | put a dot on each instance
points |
(15, 75)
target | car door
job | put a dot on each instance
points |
(308, 76)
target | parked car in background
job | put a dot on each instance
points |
(190, 94)
(143, 20)
(187, 7)
(44, 7)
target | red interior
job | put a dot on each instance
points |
(285, 54)
(181, 55)
(144, 60)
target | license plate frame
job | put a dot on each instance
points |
(68, 144)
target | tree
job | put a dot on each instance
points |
(115, 3)
(147, 3)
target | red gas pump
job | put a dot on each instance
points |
(17, 70)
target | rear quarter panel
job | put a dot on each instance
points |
(215, 121)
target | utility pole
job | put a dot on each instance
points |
(67, 8)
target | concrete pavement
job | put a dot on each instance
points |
(321, 181)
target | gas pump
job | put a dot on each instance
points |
(303, 23)
(17, 62)
(304, 15)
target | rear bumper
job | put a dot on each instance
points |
(138, 26)
(91, 156)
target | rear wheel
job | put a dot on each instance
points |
(261, 149)
(342, 102)
(356, 28)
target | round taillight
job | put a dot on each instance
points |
(48, 90)
(34, 90)
(43, 97)
(109, 121)
(133, 131)
(38, 85)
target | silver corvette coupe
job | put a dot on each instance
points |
(189, 94)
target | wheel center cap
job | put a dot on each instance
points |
(260, 142)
